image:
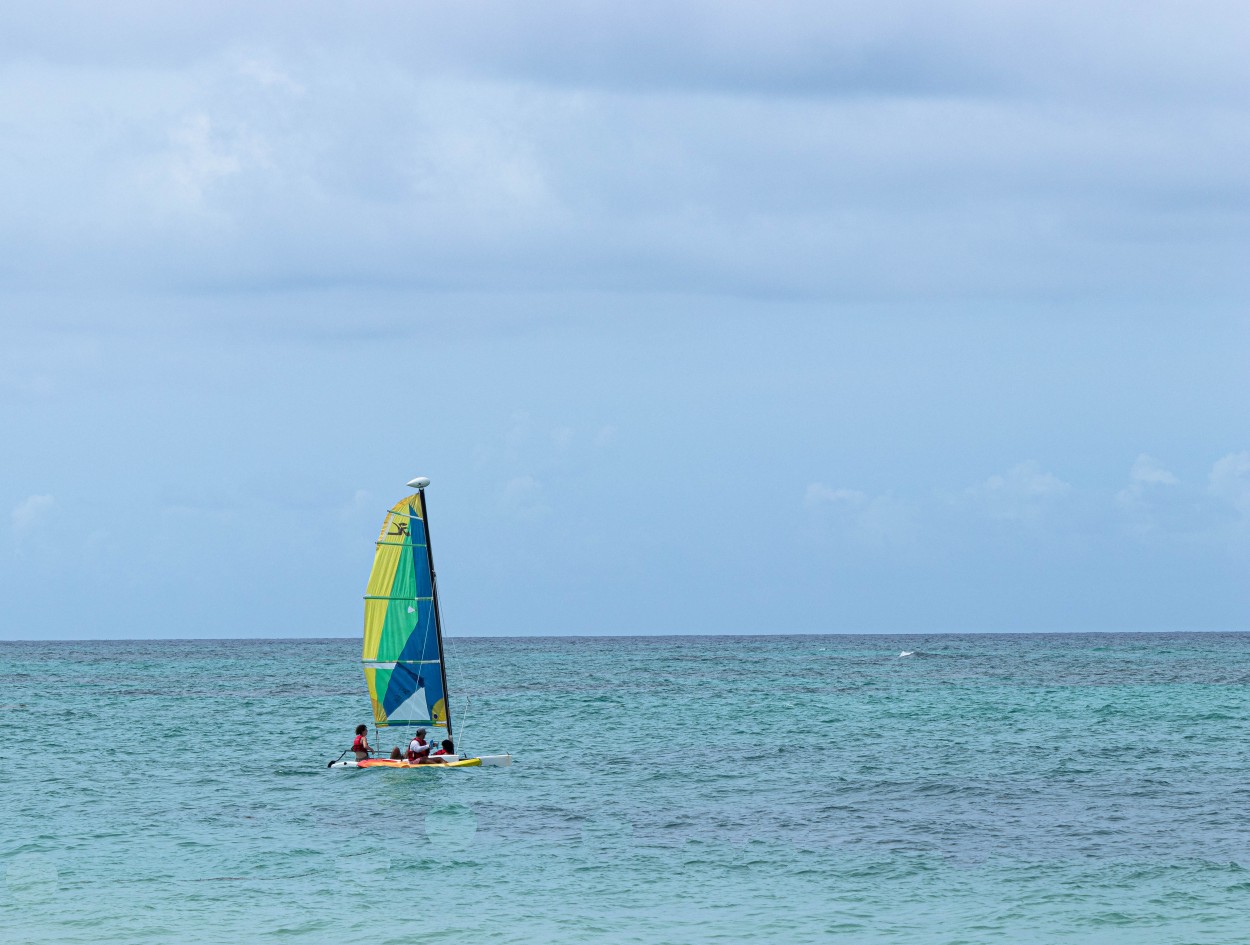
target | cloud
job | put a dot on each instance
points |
(805, 149)
(799, 47)
(199, 156)
(1147, 471)
(819, 495)
(1229, 481)
(1145, 478)
(1025, 493)
(361, 503)
(1152, 500)
(268, 75)
(519, 433)
(547, 447)
(880, 522)
(44, 363)
(522, 498)
(31, 513)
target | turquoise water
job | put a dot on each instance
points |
(1051, 788)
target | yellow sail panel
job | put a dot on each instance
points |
(386, 560)
(375, 620)
(377, 680)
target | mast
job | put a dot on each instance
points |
(419, 484)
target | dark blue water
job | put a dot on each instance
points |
(1045, 788)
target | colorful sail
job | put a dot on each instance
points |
(402, 658)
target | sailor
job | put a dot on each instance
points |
(418, 748)
(360, 744)
(439, 756)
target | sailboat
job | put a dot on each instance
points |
(403, 656)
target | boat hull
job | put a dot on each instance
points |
(492, 761)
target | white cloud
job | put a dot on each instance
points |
(880, 521)
(542, 445)
(361, 502)
(711, 148)
(522, 497)
(818, 494)
(1230, 480)
(1147, 471)
(1144, 478)
(1149, 501)
(198, 157)
(29, 516)
(519, 433)
(268, 74)
(39, 365)
(1021, 494)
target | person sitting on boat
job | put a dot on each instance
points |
(418, 748)
(360, 745)
(396, 754)
(439, 755)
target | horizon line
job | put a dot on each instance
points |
(634, 636)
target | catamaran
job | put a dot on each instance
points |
(403, 650)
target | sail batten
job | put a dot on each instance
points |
(387, 664)
(402, 656)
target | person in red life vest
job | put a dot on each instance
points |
(418, 748)
(433, 758)
(360, 744)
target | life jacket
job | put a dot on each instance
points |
(359, 743)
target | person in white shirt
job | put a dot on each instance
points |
(418, 748)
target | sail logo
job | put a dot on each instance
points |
(401, 528)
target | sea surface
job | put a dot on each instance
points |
(987, 788)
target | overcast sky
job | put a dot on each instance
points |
(707, 317)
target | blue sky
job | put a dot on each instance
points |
(715, 317)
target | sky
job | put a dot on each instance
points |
(701, 317)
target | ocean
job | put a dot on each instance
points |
(987, 788)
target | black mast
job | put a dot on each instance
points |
(438, 623)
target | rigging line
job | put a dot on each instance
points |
(464, 726)
(463, 696)
(450, 649)
(447, 651)
(464, 683)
